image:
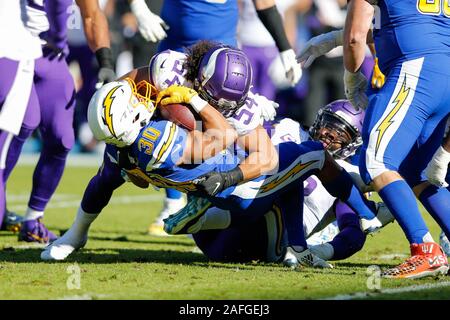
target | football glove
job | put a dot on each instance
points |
(320, 45)
(181, 94)
(150, 25)
(214, 182)
(268, 107)
(291, 66)
(355, 89)
(436, 171)
(378, 78)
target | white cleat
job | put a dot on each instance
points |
(171, 206)
(370, 226)
(61, 248)
(445, 243)
(308, 259)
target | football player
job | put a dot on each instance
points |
(165, 155)
(205, 67)
(338, 127)
(53, 111)
(184, 22)
(405, 123)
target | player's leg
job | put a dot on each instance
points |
(348, 241)
(56, 93)
(394, 120)
(95, 198)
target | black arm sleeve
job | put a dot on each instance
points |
(271, 19)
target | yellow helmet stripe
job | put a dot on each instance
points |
(107, 102)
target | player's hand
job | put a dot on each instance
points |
(104, 76)
(268, 107)
(214, 182)
(355, 89)
(291, 66)
(437, 168)
(176, 94)
(54, 49)
(318, 46)
(150, 25)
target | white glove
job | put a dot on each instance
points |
(320, 45)
(436, 170)
(151, 26)
(268, 107)
(355, 89)
(291, 66)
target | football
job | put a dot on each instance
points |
(179, 114)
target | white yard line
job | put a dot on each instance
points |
(114, 200)
(413, 288)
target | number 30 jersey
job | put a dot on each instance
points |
(408, 29)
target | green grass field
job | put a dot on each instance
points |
(121, 262)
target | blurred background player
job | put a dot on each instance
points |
(18, 50)
(404, 125)
(184, 22)
(53, 112)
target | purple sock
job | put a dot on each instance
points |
(437, 202)
(46, 177)
(350, 238)
(345, 189)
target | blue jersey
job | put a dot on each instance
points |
(408, 29)
(194, 20)
(158, 149)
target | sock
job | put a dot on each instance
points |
(173, 194)
(291, 206)
(437, 202)
(83, 221)
(401, 201)
(350, 238)
(216, 218)
(345, 189)
(32, 214)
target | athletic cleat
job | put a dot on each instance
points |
(11, 222)
(384, 215)
(157, 229)
(61, 248)
(370, 226)
(185, 220)
(290, 260)
(171, 206)
(445, 244)
(427, 259)
(35, 231)
(307, 258)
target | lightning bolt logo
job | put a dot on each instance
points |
(107, 116)
(279, 180)
(387, 122)
(167, 143)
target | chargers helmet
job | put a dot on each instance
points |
(118, 111)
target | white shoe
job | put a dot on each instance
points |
(290, 260)
(171, 206)
(308, 259)
(370, 226)
(384, 215)
(61, 248)
(445, 244)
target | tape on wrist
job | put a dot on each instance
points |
(198, 103)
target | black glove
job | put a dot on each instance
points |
(214, 182)
(106, 73)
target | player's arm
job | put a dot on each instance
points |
(97, 35)
(270, 17)
(357, 26)
(217, 133)
(262, 155)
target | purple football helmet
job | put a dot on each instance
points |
(224, 79)
(339, 123)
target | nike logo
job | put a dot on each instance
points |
(162, 64)
(217, 187)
